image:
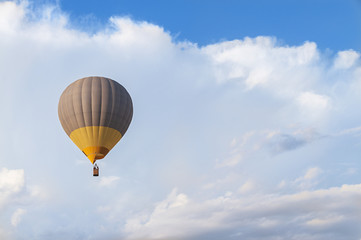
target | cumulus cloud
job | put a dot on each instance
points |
(315, 214)
(313, 104)
(346, 59)
(261, 62)
(12, 16)
(15, 196)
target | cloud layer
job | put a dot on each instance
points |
(250, 138)
(321, 214)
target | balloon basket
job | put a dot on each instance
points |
(95, 171)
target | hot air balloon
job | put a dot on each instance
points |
(95, 113)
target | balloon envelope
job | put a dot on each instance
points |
(95, 113)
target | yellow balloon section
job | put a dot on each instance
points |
(95, 142)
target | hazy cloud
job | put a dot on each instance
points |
(108, 181)
(11, 183)
(280, 142)
(16, 217)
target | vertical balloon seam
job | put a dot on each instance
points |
(127, 112)
(98, 106)
(112, 92)
(86, 91)
(123, 106)
(115, 92)
(83, 132)
(73, 116)
(116, 100)
(100, 110)
(105, 131)
(112, 87)
(130, 116)
(93, 108)
(121, 114)
(79, 85)
(124, 111)
(102, 113)
(84, 103)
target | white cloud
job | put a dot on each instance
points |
(259, 216)
(11, 180)
(354, 130)
(313, 103)
(274, 141)
(12, 16)
(108, 181)
(11, 183)
(238, 150)
(15, 195)
(326, 222)
(231, 161)
(312, 173)
(279, 142)
(309, 179)
(17, 215)
(260, 62)
(247, 187)
(346, 59)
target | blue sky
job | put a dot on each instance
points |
(332, 24)
(246, 120)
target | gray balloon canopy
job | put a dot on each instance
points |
(95, 112)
